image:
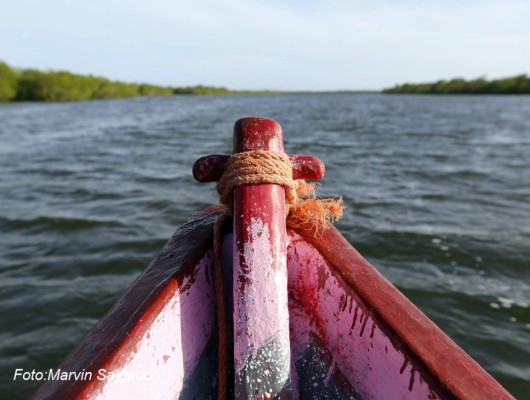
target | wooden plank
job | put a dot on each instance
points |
(115, 340)
(461, 375)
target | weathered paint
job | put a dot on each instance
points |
(451, 368)
(256, 310)
(167, 351)
(344, 344)
(261, 318)
(322, 306)
(351, 332)
(180, 274)
(259, 287)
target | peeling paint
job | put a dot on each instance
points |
(261, 318)
(371, 363)
(169, 351)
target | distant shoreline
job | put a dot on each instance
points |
(34, 85)
(55, 86)
(519, 84)
(59, 86)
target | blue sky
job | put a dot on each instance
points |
(255, 44)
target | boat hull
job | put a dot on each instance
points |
(352, 333)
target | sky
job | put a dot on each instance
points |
(274, 44)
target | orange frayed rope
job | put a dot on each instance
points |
(301, 204)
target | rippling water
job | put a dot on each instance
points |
(437, 189)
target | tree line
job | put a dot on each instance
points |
(206, 90)
(36, 85)
(519, 84)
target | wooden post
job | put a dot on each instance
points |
(261, 317)
(260, 314)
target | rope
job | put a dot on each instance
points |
(256, 167)
(222, 349)
(263, 166)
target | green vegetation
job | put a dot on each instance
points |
(515, 85)
(209, 90)
(64, 86)
(35, 85)
(8, 82)
(343, 91)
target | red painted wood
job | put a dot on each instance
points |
(327, 315)
(307, 167)
(261, 323)
(260, 311)
(407, 327)
(448, 363)
(210, 168)
(261, 317)
(135, 310)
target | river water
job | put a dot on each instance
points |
(437, 190)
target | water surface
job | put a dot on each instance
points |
(437, 190)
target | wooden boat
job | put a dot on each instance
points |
(307, 316)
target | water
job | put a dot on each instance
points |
(437, 190)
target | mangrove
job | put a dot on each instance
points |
(519, 84)
(37, 85)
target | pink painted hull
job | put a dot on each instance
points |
(352, 334)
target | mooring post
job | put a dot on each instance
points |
(261, 317)
(260, 312)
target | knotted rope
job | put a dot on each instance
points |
(302, 208)
(263, 166)
(253, 168)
